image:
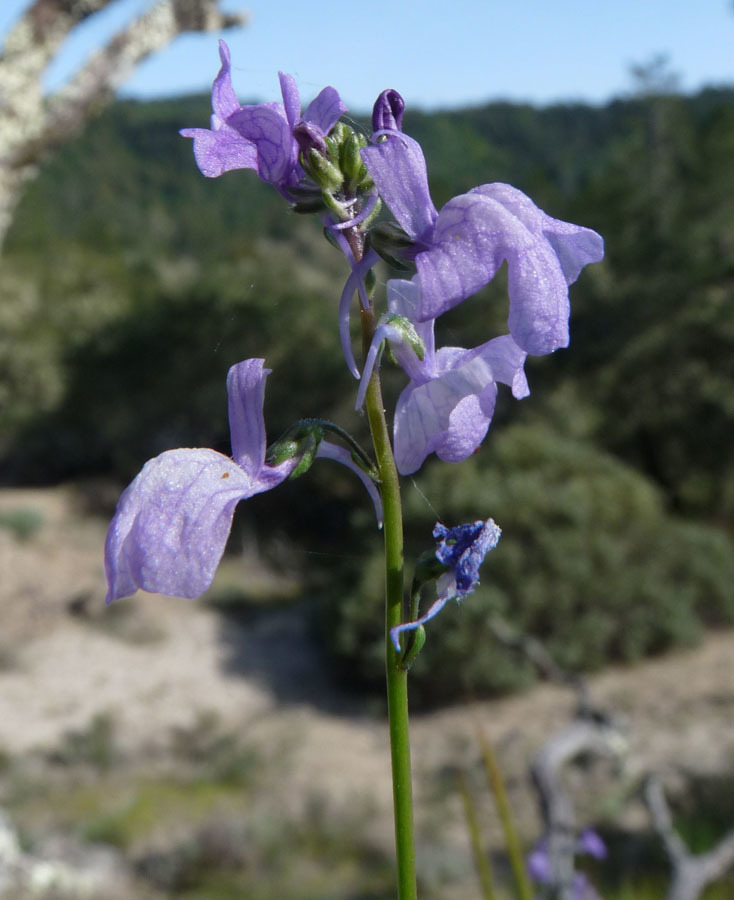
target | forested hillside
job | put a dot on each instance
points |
(130, 284)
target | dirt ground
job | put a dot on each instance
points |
(163, 662)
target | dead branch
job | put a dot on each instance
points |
(691, 874)
(583, 736)
(31, 125)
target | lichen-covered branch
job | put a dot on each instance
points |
(31, 125)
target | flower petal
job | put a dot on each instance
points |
(433, 610)
(355, 282)
(224, 99)
(325, 109)
(172, 523)
(291, 98)
(574, 245)
(507, 362)
(327, 450)
(246, 396)
(474, 233)
(221, 151)
(463, 549)
(268, 130)
(403, 298)
(448, 415)
(465, 252)
(398, 168)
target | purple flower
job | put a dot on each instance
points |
(591, 844)
(260, 137)
(171, 525)
(459, 249)
(461, 550)
(448, 405)
(541, 870)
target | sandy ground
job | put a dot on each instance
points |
(61, 662)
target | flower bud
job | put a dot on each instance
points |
(300, 442)
(309, 137)
(407, 333)
(387, 113)
(350, 159)
(326, 175)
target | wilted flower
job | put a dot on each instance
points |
(260, 137)
(172, 522)
(461, 550)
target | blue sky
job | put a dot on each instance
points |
(437, 53)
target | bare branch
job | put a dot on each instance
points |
(691, 874)
(96, 83)
(31, 126)
(582, 736)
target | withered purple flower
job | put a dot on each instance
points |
(461, 550)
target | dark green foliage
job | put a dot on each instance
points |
(589, 562)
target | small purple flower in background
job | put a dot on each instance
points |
(260, 137)
(448, 405)
(461, 550)
(171, 525)
(460, 249)
(541, 869)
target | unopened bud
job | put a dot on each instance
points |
(324, 173)
(407, 331)
(387, 114)
(300, 442)
(309, 137)
(350, 159)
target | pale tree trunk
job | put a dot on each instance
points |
(31, 125)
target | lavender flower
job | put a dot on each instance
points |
(448, 405)
(461, 550)
(460, 249)
(260, 137)
(171, 525)
(541, 869)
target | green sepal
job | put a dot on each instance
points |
(312, 204)
(427, 568)
(407, 329)
(414, 647)
(329, 235)
(370, 282)
(350, 158)
(390, 237)
(326, 175)
(300, 442)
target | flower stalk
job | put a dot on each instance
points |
(397, 675)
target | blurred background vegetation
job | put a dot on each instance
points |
(130, 284)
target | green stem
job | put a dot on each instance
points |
(481, 859)
(515, 851)
(397, 677)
